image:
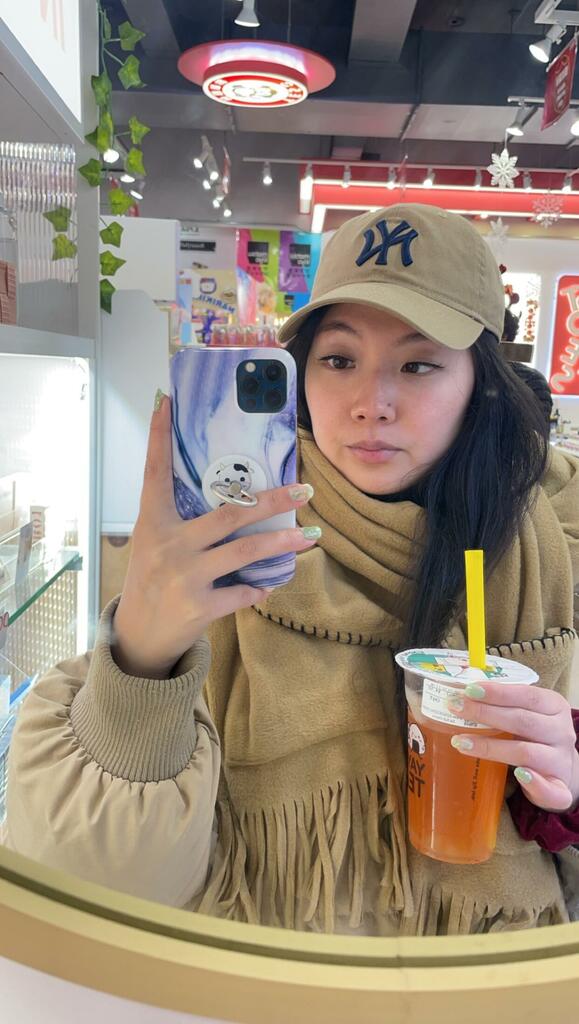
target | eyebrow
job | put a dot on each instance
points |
(346, 328)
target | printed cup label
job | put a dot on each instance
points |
(434, 705)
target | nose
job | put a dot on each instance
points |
(375, 399)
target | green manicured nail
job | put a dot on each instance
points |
(461, 743)
(522, 775)
(311, 532)
(158, 399)
(301, 492)
(475, 691)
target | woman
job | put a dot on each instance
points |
(281, 801)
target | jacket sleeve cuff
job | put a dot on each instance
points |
(552, 830)
(142, 730)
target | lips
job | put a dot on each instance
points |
(374, 446)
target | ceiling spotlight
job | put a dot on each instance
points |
(135, 194)
(110, 156)
(516, 128)
(198, 161)
(217, 202)
(484, 215)
(567, 184)
(247, 15)
(478, 178)
(527, 182)
(127, 178)
(214, 175)
(206, 184)
(309, 175)
(347, 176)
(226, 211)
(266, 176)
(429, 179)
(391, 183)
(575, 127)
(541, 49)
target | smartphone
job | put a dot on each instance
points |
(234, 418)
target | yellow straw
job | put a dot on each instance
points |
(475, 608)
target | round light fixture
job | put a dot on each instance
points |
(110, 156)
(206, 184)
(266, 176)
(127, 178)
(135, 194)
(575, 127)
(255, 73)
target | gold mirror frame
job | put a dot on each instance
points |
(149, 953)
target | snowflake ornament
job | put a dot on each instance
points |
(498, 231)
(503, 169)
(547, 210)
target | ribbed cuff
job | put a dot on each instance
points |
(141, 730)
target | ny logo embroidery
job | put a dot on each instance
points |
(401, 235)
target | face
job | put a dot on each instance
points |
(373, 381)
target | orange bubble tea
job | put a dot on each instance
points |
(454, 801)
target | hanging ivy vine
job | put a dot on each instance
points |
(102, 138)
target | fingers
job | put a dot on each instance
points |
(227, 600)
(549, 793)
(223, 521)
(157, 499)
(258, 547)
(519, 695)
(533, 725)
(534, 756)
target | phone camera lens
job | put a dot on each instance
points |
(251, 403)
(274, 399)
(250, 386)
(273, 371)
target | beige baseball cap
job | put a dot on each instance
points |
(428, 267)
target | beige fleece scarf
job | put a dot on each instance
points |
(311, 805)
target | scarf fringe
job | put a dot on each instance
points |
(441, 911)
(279, 866)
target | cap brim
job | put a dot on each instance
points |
(433, 319)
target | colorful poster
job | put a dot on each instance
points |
(206, 299)
(299, 255)
(258, 256)
(564, 374)
(559, 84)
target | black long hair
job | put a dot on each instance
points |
(477, 494)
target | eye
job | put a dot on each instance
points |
(419, 369)
(339, 359)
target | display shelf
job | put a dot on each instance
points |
(27, 341)
(17, 598)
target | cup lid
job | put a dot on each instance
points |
(453, 666)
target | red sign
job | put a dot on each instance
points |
(559, 84)
(564, 376)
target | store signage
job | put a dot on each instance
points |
(258, 253)
(196, 245)
(48, 30)
(564, 376)
(253, 87)
(559, 84)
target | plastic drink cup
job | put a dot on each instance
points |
(454, 801)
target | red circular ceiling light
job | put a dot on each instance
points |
(254, 73)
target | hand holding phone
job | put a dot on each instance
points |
(168, 597)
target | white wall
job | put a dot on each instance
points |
(135, 362)
(151, 249)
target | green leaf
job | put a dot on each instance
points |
(106, 26)
(112, 234)
(92, 172)
(107, 291)
(134, 163)
(59, 218)
(91, 138)
(105, 132)
(63, 248)
(110, 263)
(129, 35)
(119, 202)
(129, 73)
(138, 130)
(102, 88)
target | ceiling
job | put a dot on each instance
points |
(425, 80)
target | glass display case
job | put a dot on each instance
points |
(45, 486)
